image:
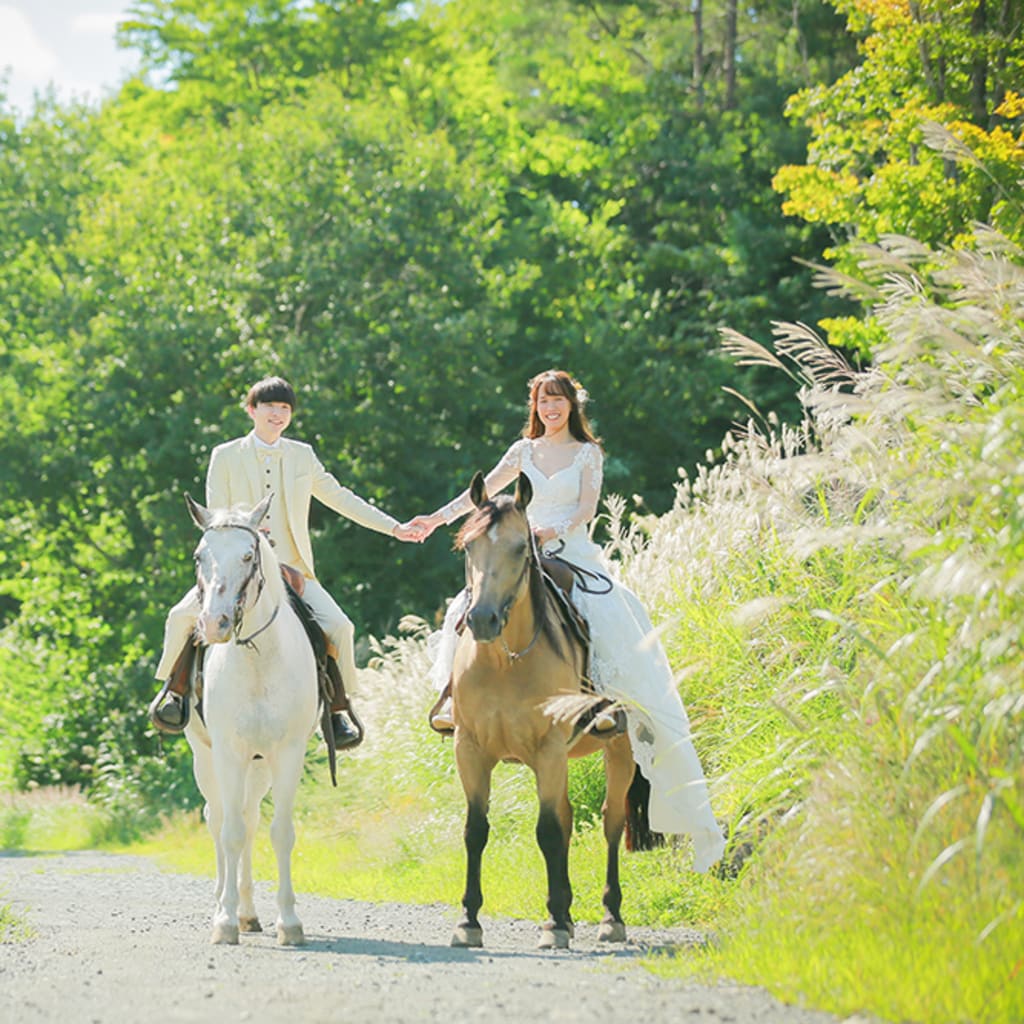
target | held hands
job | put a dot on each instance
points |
(410, 531)
(418, 529)
(428, 524)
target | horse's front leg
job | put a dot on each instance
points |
(554, 829)
(256, 785)
(287, 771)
(231, 777)
(475, 772)
(619, 769)
(202, 770)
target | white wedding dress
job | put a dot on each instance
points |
(627, 663)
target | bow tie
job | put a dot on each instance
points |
(268, 453)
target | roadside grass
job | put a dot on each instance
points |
(50, 818)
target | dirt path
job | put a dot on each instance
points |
(117, 940)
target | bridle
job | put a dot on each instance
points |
(255, 570)
(532, 561)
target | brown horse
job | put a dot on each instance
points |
(516, 661)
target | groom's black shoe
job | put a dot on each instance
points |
(344, 733)
(169, 712)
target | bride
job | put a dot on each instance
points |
(564, 461)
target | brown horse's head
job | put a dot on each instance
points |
(500, 556)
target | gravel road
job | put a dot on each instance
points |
(116, 940)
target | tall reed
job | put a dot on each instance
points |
(845, 611)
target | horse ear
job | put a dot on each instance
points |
(200, 516)
(478, 489)
(257, 514)
(524, 491)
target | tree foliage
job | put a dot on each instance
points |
(922, 137)
(406, 211)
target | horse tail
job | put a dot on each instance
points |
(639, 835)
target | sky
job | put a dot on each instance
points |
(69, 43)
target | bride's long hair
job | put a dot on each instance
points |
(558, 382)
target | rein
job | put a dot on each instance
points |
(581, 575)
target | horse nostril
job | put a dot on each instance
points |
(478, 619)
(224, 622)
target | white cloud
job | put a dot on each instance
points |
(21, 49)
(97, 24)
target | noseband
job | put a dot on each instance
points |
(255, 568)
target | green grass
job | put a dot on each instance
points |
(50, 819)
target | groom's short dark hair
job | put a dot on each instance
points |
(270, 389)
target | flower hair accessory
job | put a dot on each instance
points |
(581, 395)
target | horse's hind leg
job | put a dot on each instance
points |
(554, 828)
(619, 769)
(286, 773)
(256, 785)
(475, 772)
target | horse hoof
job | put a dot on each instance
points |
(249, 924)
(290, 935)
(466, 937)
(611, 931)
(553, 938)
(224, 935)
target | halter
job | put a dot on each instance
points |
(532, 560)
(256, 567)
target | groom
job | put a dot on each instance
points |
(242, 472)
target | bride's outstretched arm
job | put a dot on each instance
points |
(498, 478)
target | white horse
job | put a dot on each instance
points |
(259, 709)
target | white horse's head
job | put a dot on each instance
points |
(229, 567)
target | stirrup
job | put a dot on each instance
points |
(440, 723)
(604, 721)
(158, 703)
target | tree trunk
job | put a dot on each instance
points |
(979, 67)
(729, 54)
(698, 51)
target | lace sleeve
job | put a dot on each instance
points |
(591, 478)
(500, 477)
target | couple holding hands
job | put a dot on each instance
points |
(564, 460)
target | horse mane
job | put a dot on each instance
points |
(491, 513)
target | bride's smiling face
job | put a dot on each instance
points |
(553, 410)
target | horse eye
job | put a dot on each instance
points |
(247, 557)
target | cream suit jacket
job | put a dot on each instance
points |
(234, 478)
